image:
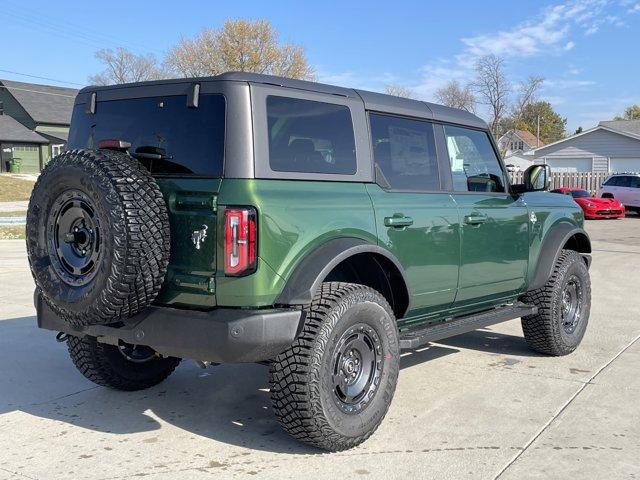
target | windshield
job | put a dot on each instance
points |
(580, 194)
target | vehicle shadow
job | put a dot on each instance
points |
(487, 340)
(227, 403)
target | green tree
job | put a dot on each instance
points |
(552, 125)
(631, 113)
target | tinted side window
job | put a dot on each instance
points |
(623, 182)
(405, 152)
(310, 137)
(191, 140)
(634, 182)
(474, 164)
(612, 182)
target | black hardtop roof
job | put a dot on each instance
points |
(373, 101)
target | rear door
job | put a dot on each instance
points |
(415, 219)
(494, 223)
(622, 189)
(182, 145)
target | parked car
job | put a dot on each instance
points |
(317, 229)
(594, 207)
(624, 187)
(512, 168)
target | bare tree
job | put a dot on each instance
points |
(492, 87)
(123, 66)
(240, 45)
(527, 91)
(398, 91)
(455, 95)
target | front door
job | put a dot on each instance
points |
(415, 220)
(494, 223)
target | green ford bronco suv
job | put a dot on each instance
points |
(319, 230)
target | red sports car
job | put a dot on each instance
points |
(594, 207)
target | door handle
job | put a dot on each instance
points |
(475, 219)
(398, 221)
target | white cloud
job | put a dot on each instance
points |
(551, 32)
(634, 8)
(567, 83)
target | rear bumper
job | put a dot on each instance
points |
(224, 335)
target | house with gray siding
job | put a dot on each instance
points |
(45, 110)
(612, 146)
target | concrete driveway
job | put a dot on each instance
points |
(479, 405)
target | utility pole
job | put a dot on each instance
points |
(538, 133)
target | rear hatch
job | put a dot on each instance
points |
(182, 145)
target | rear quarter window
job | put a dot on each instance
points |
(191, 140)
(310, 137)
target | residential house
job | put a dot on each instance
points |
(518, 141)
(45, 110)
(17, 141)
(612, 146)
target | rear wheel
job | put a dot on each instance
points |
(122, 367)
(564, 304)
(334, 385)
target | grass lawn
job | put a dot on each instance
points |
(14, 189)
(12, 232)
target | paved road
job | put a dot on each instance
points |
(476, 406)
(14, 206)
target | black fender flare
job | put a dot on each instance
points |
(550, 250)
(312, 269)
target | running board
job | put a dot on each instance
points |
(411, 339)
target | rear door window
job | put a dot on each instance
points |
(404, 150)
(189, 140)
(623, 181)
(474, 164)
(310, 137)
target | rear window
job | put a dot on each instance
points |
(310, 137)
(190, 140)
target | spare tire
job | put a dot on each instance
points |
(97, 236)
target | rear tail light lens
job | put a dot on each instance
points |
(240, 241)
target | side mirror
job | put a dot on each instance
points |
(537, 178)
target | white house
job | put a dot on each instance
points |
(612, 146)
(518, 141)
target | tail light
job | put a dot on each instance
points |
(240, 241)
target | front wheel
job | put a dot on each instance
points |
(334, 385)
(564, 304)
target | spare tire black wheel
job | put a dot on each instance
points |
(97, 236)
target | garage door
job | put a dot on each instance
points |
(624, 165)
(569, 164)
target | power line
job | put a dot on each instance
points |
(41, 78)
(63, 28)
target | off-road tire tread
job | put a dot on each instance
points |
(539, 331)
(294, 373)
(89, 357)
(139, 224)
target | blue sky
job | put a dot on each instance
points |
(586, 50)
